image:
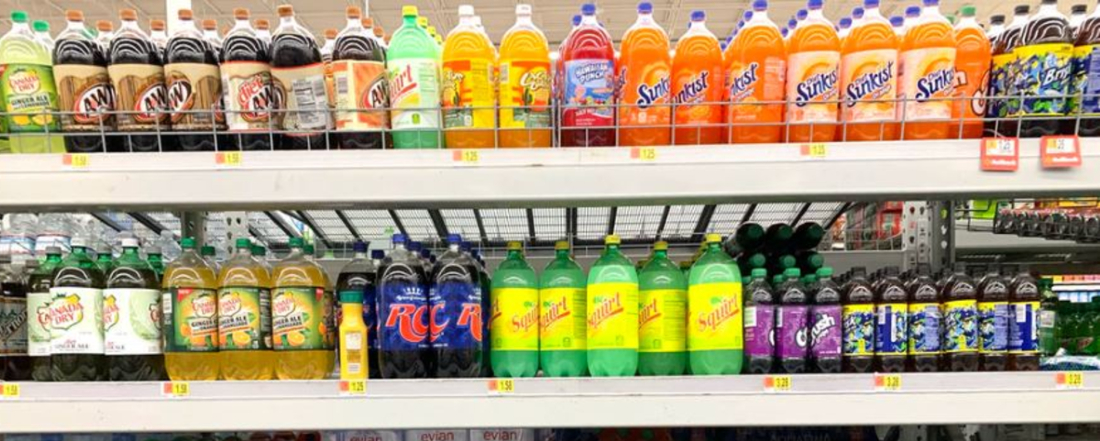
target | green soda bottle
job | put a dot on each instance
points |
(413, 71)
(612, 314)
(514, 350)
(715, 339)
(27, 91)
(662, 315)
(562, 328)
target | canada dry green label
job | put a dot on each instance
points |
(612, 316)
(302, 318)
(192, 324)
(244, 318)
(38, 324)
(131, 321)
(76, 321)
(661, 320)
(561, 319)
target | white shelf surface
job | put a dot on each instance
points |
(943, 398)
(533, 177)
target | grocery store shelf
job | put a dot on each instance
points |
(531, 177)
(946, 398)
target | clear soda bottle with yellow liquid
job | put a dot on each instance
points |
(524, 81)
(244, 317)
(190, 305)
(469, 59)
(301, 318)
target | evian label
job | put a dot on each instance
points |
(131, 321)
(194, 93)
(612, 315)
(139, 88)
(76, 325)
(249, 95)
(86, 92)
(360, 86)
(502, 435)
(437, 435)
(414, 93)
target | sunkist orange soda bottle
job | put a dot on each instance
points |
(698, 77)
(972, 60)
(469, 98)
(869, 77)
(928, 74)
(644, 70)
(525, 84)
(756, 69)
(813, 58)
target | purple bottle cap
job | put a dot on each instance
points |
(845, 22)
(359, 246)
(868, 4)
(698, 16)
(815, 4)
(576, 20)
(912, 12)
(857, 12)
(645, 8)
(802, 13)
(588, 9)
(931, 2)
(897, 21)
(760, 5)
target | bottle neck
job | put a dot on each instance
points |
(562, 254)
(77, 26)
(524, 20)
(930, 11)
(589, 20)
(360, 255)
(354, 23)
(515, 254)
(660, 254)
(816, 14)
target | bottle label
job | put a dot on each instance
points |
(825, 331)
(589, 93)
(811, 85)
(1085, 81)
(85, 91)
(760, 331)
(662, 315)
(715, 321)
(13, 325)
(454, 317)
(927, 83)
(753, 82)
(992, 327)
(792, 325)
(301, 318)
(971, 83)
(612, 316)
(646, 92)
(960, 326)
(468, 96)
(402, 315)
(870, 85)
(354, 352)
(524, 94)
(368, 435)
(249, 95)
(244, 318)
(1044, 71)
(131, 321)
(194, 92)
(140, 88)
(360, 85)
(501, 435)
(1001, 85)
(76, 325)
(1024, 328)
(515, 319)
(302, 92)
(891, 331)
(192, 320)
(562, 325)
(692, 88)
(414, 85)
(29, 92)
(859, 329)
(924, 328)
(38, 324)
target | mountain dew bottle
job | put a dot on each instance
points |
(514, 323)
(715, 339)
(562, 326)
(612, 314)
(413, 64)
(662, 312)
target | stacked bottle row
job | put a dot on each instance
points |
(1078, 224)
(1071, 324)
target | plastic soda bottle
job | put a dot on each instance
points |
(525, 84)
(993, 317)
(244, 317)
(301, 318)
(359, 77)
(413, 66)
(715, 339)
(1085, 96)
(562, 325)
(759, 324)
(131, 313)
(662, 314)
(190, 303)
(454, 301)
(792, 321)
(644, 73)
(756, 70)
(469, 97)
(360, 275)
(972, 61)
(892, 313)
(869, 77)
(403, 350)
(825, 324)
(38, 324)
(1002, 83)
(928, 74)
(858, 313)
(246, 74)
(1044, 70)
(298, 73)
(925, 322)
(194, 85)
(612, 308)
(698, 77)
(515, 317)
(813, 59)
(76, 340)
(83, 86)
(960, 335)
(1023, 324)
(136, 67)
(588, 85)
(27, 90)
(158, 33)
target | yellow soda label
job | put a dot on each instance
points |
(515, 319)
(715, 321)
(869, 85)
(613, 316)
(661, 320)
(562, 324)
(859, 329)
(302, 318)
(244, 318)
(960, 326)
(468, 94)
(927, 82)
(525, 94)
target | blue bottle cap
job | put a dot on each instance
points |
(868, 4)
(931, 2)
(845, 22)
(760, 5)
(400, 238)
(576, 20)
(897, 21)
(802, 13)
(454, 239)
(912, 11)
(698, 16)
(588, 9)
(359, 246)
(815, 4)
(415, 246)
(784, 32)
(377, 254)
(792, 23)
(857, 12)
(746, 16)
(465, 246)
(645, 8)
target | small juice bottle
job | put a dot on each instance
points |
(525, 84)
(756, 66)
(353, 337)
(698, 77)
(928, 56)
(190, 303)
(469, 116)
(646, 88)
(244, 317)
(869, 77)
(813, 59)
(301, 317)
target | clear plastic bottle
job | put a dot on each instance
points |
(76, 339)
(859, 323)
(455, 320)
(792, 324)
(190, 306)
(131, 313)
(562, 326)
(360, 275)
(244, 317)
(28, 90)
(38, 317)
(759, 324)
(403, 350)
(515, 311)
(301, 318)
(892, 313)
(18, 240)
(42, 34)
(662, 314)
(715, 340)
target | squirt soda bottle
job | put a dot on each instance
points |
(715, 341)
(469, 116)
(588, 85)
(514, 320)
(698, 77)
(413, 67)
(28, 91)
(562, 326)
(972, 64)
(190, 303)
(525, 84)
(756, 66)
(928, 60)
(662, 313)
(869, 78)
(813, 59)
(645, 66)
(612, 313)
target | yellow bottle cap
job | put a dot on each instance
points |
(660, 246)
(714, 238)
(514, 246)
(422, 22)
(612, 239)
(408, 10)
(561, 245)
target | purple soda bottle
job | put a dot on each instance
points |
(825, 328)
(760, 324)
(792, 323)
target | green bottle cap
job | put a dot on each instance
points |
(759, 273)
(19, 16)
(660, 246)
(757, 261)
(824, 272)
(187, 243)
(792, 273)
(351, 297)
(244, 243)
(41, 26)
(787, 261)
(296, 242)
(561, 245)
(308, 249)
(968, 11)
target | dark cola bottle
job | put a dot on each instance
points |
(83, 88)
(1004, 102)
(403, 347)
(137, 73)
(1086, 78)
(298, 75)
(362, 91)
(246, 75)
(194, 85)
(1044, 61)
(210, 35)
(454, 302)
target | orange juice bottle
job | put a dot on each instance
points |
(525, 84)
(644, 70)
(869, 77)
(972, 61)
(813, 58)
(928, 75)
(697, 83)
(469, 116)
(756, 65)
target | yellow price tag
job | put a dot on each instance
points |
(777, 383)
(466, 156)
(644, 153)
(818, 150)
(75, 160)
(888, 382)
(10, 390)
(353, 387)
(1070, 380)
(502, 385)
(176, 389)
(231, 159)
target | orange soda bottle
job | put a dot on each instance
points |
(972, 60)
(644, 70)
(756, 63)
(813, 58)
(525, 84)
(698, 78)
(928, 74)
(468, 98)
(869, 77)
